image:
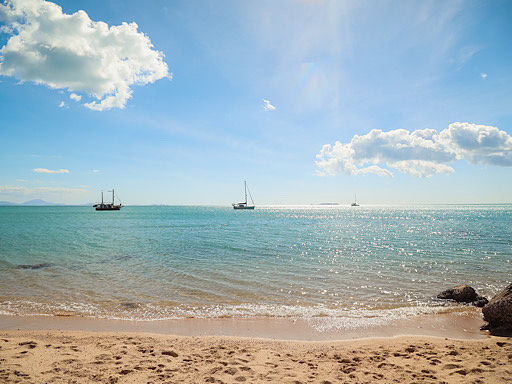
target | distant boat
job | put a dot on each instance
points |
(244, 204)
(108, 206)
(354, 204)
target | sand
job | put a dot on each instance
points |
(29, 356)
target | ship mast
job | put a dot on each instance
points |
(112, 196)
(245, 187)
(101, 197)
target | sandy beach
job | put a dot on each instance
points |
(442, 348)
(110, 357)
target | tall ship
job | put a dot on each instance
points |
(108, 206)
(244, 205)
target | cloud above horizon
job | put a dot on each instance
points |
(75, 97)
(45, 170)
(23, 190)
(267, 105)
(75, 53)
(420, 153)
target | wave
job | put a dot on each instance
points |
(159, 311)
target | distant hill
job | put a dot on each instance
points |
(7, 203)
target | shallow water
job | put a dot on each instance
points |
(172, 262)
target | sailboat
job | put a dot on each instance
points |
(244, 204)
(108, 206)
(354, 204)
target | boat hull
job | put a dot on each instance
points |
(245, 207)
(109, 208)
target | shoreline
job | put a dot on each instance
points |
(461, 323)
(435, 348)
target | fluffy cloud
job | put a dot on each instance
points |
(75, 97)
(44, 170)
(267, 105)
(420, 153)
(73, 52)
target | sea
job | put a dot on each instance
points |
(174, 262)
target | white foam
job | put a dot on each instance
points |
(321, 317)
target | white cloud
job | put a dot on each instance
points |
(95, 171)
(62, 104)
(483, 75)
(75, 97)
(73, 52)
(267, 106)
(421, 153)
(44, 170)
(12, 189)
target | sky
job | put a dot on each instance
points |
(178, 102)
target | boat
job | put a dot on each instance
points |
(354, 204)
(244, 204)
(108, 206)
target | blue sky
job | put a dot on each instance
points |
(332, 70)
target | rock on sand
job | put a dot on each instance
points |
(498, 313)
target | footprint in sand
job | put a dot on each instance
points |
(231, 370)
(462, 372)
(125, 371)
(451, 366)
(28, 344)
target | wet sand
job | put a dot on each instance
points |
(461, 323)
(106, 357)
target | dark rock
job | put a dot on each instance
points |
(480, 302)
(462, 294)
(34, 266)
(498, 312)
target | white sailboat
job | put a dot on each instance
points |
(244, 204)
(354, 204)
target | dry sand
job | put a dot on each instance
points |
(109, 357)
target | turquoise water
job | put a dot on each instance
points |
(173, 262)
